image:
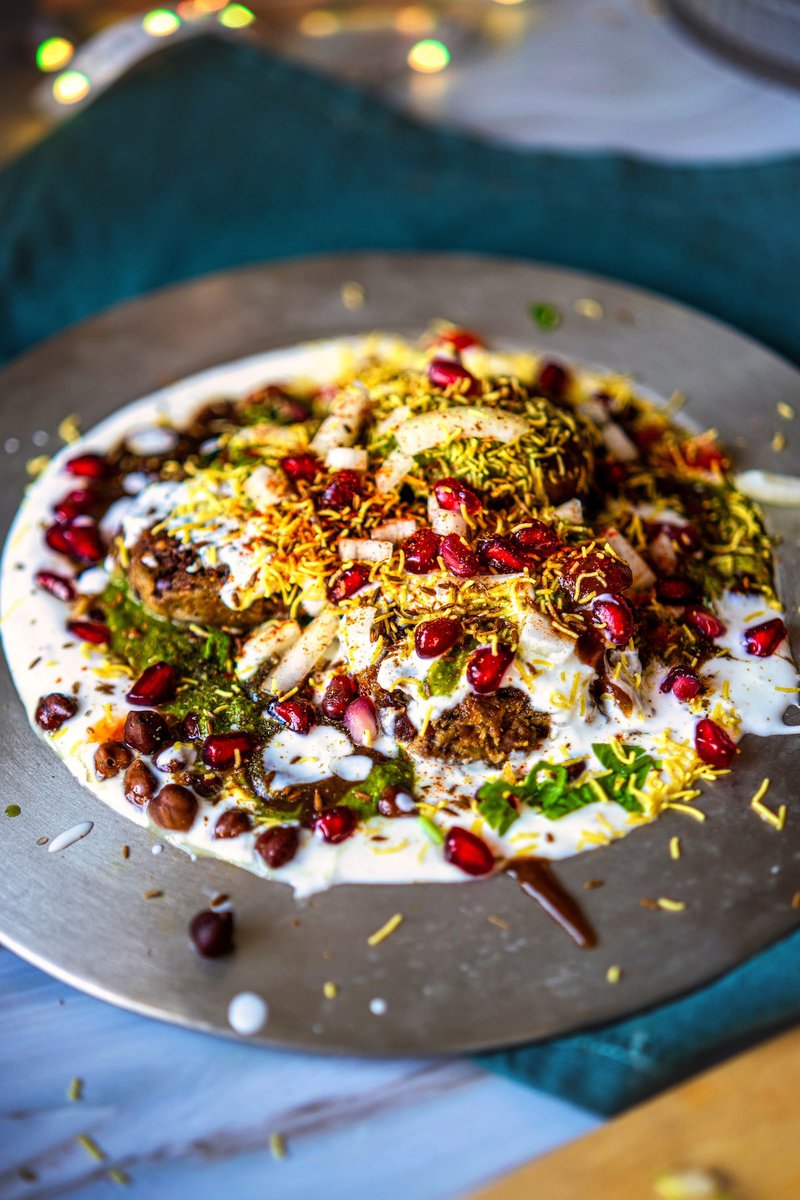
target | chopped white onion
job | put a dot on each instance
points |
(265, 487)
(643, 577)
(267, 641)
(662, 552)
(430, 429)
(154, 440)
(443, 520)
(393, 470)
(570, 510)
(594, 411)
(347, 413)
(355, 638)
(361, 722)
(346, 458)
(618, 444)
(364, 550)
(395, 531)
(395, 418)
(767, 487)
(304, 654)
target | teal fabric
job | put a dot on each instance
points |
(214, 155)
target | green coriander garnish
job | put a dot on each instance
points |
(432, 831)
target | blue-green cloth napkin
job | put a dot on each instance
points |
(214, 155)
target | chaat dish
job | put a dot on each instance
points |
(401, 612)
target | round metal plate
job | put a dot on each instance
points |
(452, 979)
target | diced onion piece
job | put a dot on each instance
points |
(267, 641)
(395, 418)
(355, 638)
(341, 426)
(570, 510)
(395, 531)
(643, 577)
(364, 550)
(769, 487)
(541, 642)
(443, 520)
(265, 487)
(594, 411)
(430, 429)
(346, 458)
(393, 471)
(303, 656)
(662, 552)
(618, 444)
(361, 722)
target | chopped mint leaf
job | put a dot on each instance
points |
(498, 811)
(393, 772)
(546, 316)
(432, 831)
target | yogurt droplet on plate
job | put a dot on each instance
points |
(151, 441)
(247, 1013)
(378, 1006)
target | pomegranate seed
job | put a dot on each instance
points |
(615, 617)
(221, 749)
(361, 721)
(675, 589)
(54, 537)
(683, 682)
(298, 715)
(704, 457)
(459, 339)
(301, 466)
(454, 495)
(278, 845)
(594, 571)
(90, 631)
(486, 669)
(341, 690)
(704, 622)
(56, 585)
(552, 381)
(646, 436)
(712, 744)
(83, 538)
(686, 536)
(500, 554)
(336, 824)
(537, 539)
(349, 582)
(88, 466)
(612, 475)
(74, 504)
(53, 710)
(156, 685)
(468, 852)
(763, 640)
(434, 638)
(444, 373)
(421, 551)
(343, 490)
(458, 558)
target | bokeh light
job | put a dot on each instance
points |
(319, 23)
(428, 56)
(161, 22)
(236, 16)
(54, 53)
(414, 19)
(70, 86)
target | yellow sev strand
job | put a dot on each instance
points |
(776, 819)
(670, 905)
(675, 847)
(385, 931)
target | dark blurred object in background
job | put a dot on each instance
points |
(761, 35)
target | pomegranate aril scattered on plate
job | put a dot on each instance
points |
(301, 466)
(56, 585)
(361, 721)
(348, 582)
(297, 715)
(93, 632)
(222, 750)
(553, 380)
(468, 852)
(537, 539)
(713, 745)
(763, 640)
(79, 539)
(502, 555)
(453, 495)
(433, 638)
(486, 668)
(614, 617)
(421, 551)
(445, 373)
(594, 571)
(156, 685)
(683, 682)
(339, 693)
(704, 622)
(458, 339)
(343, 491)
(88, 466)
(74, 504)
(335, 824)
(458, 558)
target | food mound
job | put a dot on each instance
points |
(442, 610)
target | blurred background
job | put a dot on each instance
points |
(667, 78)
